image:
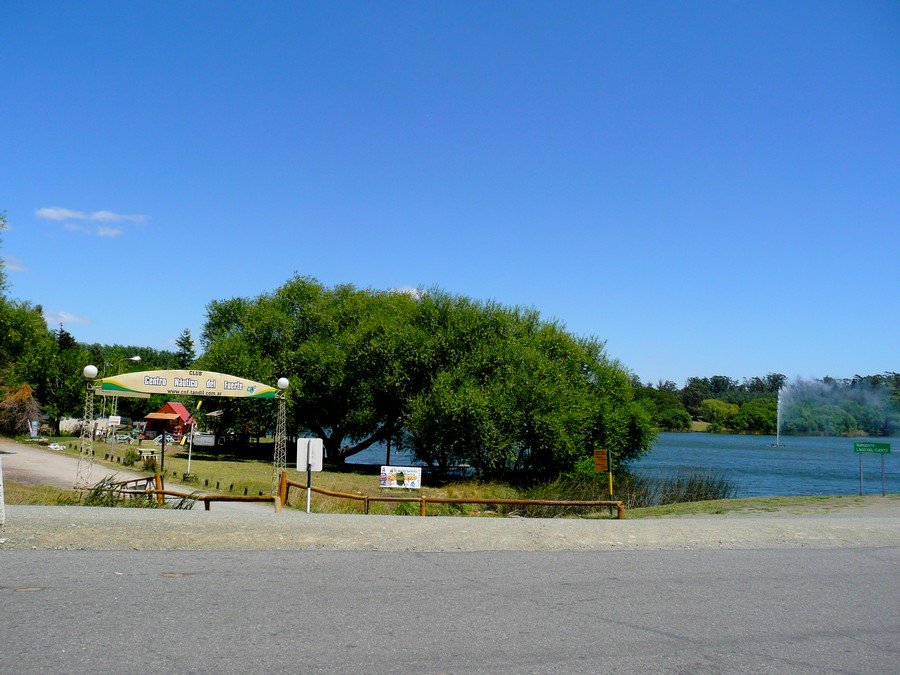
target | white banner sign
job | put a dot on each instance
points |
(187, 383)
(401, 477)
(205, 440)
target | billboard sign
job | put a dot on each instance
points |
(185, 383)
(409, 477)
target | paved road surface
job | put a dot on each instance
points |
(771, 593)
(712, 611)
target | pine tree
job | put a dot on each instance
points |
(185, 353)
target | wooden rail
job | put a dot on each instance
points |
(285, 485)
(161, 494)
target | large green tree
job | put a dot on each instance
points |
(454, 380)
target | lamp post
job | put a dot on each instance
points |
(86, 456)
(280, 461)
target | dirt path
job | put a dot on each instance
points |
(37, 465)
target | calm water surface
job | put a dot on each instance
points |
(802, 465)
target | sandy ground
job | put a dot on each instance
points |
(876, 523)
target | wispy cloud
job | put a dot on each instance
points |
(62, 317)
(13, 264)
(60, 213)
(113, 217)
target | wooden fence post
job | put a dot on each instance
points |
(160, 498)
(283, 488)
(422, 506)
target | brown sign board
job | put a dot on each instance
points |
(601, 461)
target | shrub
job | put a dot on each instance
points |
(131, 457)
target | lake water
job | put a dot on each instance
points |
(802, 465)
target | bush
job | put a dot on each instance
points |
(583, 484)
(131, 457)
(149, 464)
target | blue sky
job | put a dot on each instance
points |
(710, 187)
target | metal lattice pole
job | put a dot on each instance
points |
(279, 464)
(86, 458)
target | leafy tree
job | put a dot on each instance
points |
(693, 394)
(674, 419)
(25, 344)
(666, 407)
(526, 400)
(62, 387)
(757, 416)
(718, 413)
(452, 379)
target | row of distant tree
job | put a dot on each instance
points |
(867, 404)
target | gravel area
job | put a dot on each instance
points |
(74, 527)
(258, 527)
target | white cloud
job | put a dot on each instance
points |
(13, 264)
(56, 318)
(113, 217)
(59, 213)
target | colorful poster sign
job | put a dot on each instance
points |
(409, 477)
(186, 383)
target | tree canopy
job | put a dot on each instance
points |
(454, 380)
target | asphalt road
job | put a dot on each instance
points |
(784, 610)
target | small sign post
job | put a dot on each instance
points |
(309, 453)
(862, 448)
(602, 464)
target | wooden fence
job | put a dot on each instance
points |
(285, 485)
(161, 493)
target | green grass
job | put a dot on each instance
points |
(26, 494)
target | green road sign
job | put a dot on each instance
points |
(877, 448)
